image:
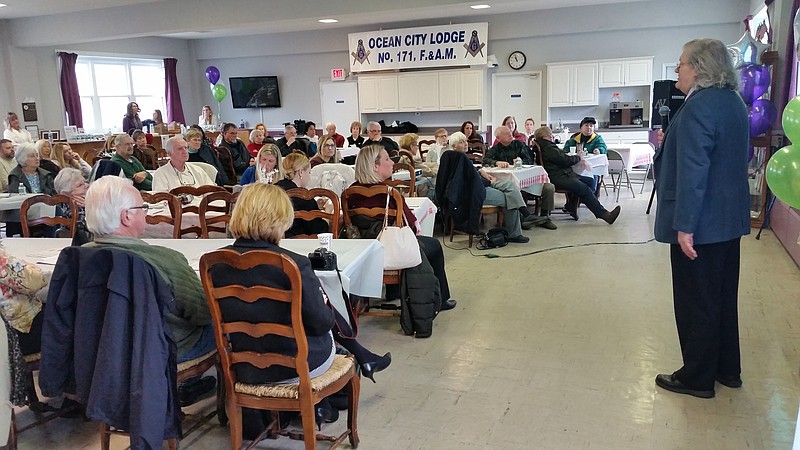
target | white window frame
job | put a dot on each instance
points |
(128, 63)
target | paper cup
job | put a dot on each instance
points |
(325, 240)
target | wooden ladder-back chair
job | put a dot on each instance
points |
(408, 156)
(175, 211)
(221, 202)
(54, 200)
(162, 157)
(301, 396)
(194, 208)
(311, 194)
(476, 146)
(226, 159)
(406, 187)
(389, 276)
(424, 147)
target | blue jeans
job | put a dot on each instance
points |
(205, 344)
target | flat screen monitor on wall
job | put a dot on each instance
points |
(255, 92)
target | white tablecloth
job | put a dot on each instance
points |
(527, 178)
(635, 154)
(11, 203)
(360, 260)
(348, 151)
(425, 211)
(599, 165)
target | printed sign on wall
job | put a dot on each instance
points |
(405, 48)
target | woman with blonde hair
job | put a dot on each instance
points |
(328, 153)
(14, 132)
(65, 157)
(267, 168)
(45, 150)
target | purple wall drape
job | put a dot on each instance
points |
(173, 92)
(69, 89)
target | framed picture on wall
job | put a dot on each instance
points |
(32, 129)
(55, 135)
(668, 71)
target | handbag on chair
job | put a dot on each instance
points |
(400, 247)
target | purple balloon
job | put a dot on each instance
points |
(212, 74)
(762, 115)
(754, 82)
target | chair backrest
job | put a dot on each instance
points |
(221, 203)
(210, 170)
(334, 177)
(175, 211)
(55, 200)
(311, 194)
(476, 146)
(537, 152)
(194, 207)
(375, 212)
(405, 186)
(226, 159)
(408, 157)
(424, 146)
(615, 161)
(161, 157)
(250, 294)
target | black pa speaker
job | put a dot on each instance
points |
(665, 94)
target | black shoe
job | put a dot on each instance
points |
(191, 393)
(548, 224)
(573, 214)
(324, 413)
(368, 369)
(534, 220)
(671, 383)
(731, 381)
(448, 305)
(611, 216)
(519, 239)
(339, 401)
(71, 409)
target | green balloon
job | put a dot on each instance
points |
(219, 92)
(783, 175)
(791, 119)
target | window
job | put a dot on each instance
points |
(107, 85)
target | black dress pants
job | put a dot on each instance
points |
(705, 295)
(583, 188)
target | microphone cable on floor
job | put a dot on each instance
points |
(545, 250)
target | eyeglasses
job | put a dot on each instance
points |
(329, 145)
(145, 207)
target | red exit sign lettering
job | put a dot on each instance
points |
(337, 74)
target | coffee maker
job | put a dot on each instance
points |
(626, 114)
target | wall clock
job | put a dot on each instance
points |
(516, 60)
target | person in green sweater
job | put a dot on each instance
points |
(115, 214)
(590, 142)
(132, 167)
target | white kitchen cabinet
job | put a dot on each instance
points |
(572, 85)
(460, 89)
(471, 89)
(418, 91)
(625, 72)
(449, 90)
(378, 93)
(625, 137)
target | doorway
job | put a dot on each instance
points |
(339, 101)
(517, 94)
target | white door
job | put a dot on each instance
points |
(339, 104)
(519, 95)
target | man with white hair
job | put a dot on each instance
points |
(115, 214)
(132, 167)
(289, 141)
(177, 172)
(330, 128)
(374, 133)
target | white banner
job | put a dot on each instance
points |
(445, 45)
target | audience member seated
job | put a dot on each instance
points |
(498, 193)
(7, 162)
(503, 154)
(267, 138)
(28, 173)
(132, 167)
(289, 141)
(355, 139)
(511, 123)
(375, 134)
(410, 143)
(115, 213)
(267, 168)
(70, 182)
(207, 119)
(20, 305)
(176, 172)
(239, 153)
(45, 150)
(297, 172)
(66, 158)
(529, 128)
(256, 141)
(313, 139)
(14, 132)
(588, 141)
(373, 167)
(108, 147)
(143, 151)
(559, 168)
(468, 128)
(330, 129)
(131, 121)
(440, 146)
(200, 151)
(328, 153)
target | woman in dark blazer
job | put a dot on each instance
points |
(703, 211)
(35, 179)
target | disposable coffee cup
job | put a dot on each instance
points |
(325, 240)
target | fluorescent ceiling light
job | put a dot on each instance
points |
(2, 5)
(327, 20)
(480, 6)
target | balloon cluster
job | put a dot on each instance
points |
(217, 90)
(754, 81)
(783, 169)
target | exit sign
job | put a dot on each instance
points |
(337, 75)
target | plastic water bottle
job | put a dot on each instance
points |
(22, 190)
(241, 124)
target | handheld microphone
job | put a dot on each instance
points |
(664, 113)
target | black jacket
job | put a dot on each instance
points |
(298, 144)
(113, 347)
(207, 155)
(16, 176)
(317, 316)
(459, 191)
(239, 153)
(300, 226)
(421, 297)
(557, 163)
